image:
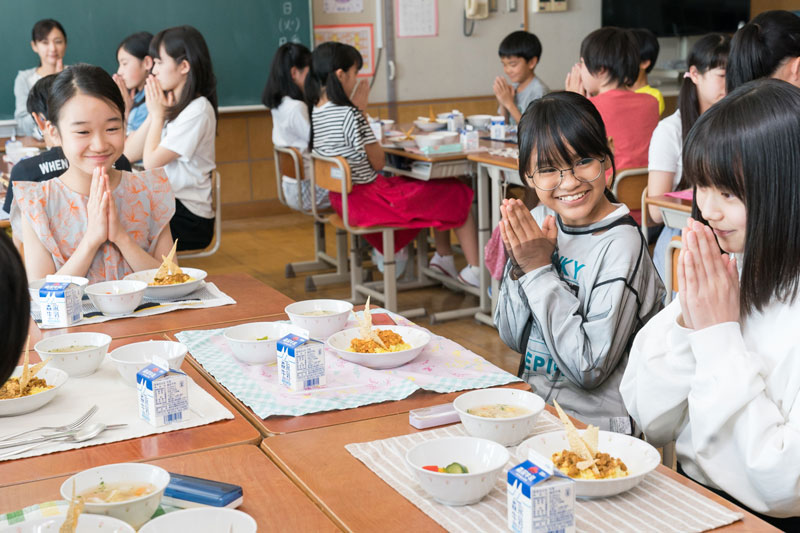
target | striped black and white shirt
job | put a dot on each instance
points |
(341, 130)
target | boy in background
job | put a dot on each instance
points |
(648, 54)
(519, 52)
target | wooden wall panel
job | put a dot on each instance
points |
(235, 182)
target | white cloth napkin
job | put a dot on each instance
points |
(118, 404)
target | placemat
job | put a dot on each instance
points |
(118, 404)
(656, 505)
(443, 366)
(207, 295)
(54, 509)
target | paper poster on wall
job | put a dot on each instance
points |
(343, 6)
(358, 36)
(417, 18)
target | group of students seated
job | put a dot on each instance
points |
(581, 299)
(78, 208)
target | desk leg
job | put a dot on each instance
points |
(490, 211)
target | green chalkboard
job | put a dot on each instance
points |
(242, 36)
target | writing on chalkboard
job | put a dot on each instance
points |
(288, 25)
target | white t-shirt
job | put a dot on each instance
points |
(292, 127)
(665, 148)
(23, 84)
(191, 135)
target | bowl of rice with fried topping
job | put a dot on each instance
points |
(400, 344)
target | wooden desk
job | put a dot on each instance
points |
(270, 497)
(675, 211)
(220, 434)
(369, 504)
(253, 300)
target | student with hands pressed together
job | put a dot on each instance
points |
(579, 282)
(93, 220)
(519, 52)
(717, 369)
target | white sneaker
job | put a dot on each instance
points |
(470, 275)
(444, 264)
(400, 258)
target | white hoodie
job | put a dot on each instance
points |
(728, 394)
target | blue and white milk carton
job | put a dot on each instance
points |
(60, 303)
(540, 499)
(163, 394)
(301, 362)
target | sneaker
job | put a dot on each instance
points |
(444, 264)
(400, 258)
(470, 275)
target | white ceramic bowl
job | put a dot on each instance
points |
(446, 137)
(87, 523)
(506, 431)
(115, 298)
(417, 338)
(640, 458)
(480, 121)
(425, 125)
(401, 141)
(26, 404)
(75, 364)
(202, 520)
(35, 285)
(387, 125)
(133, 357)
(320, 327)
(427, 141)
(167, 292)
(245, 347)
(136, 511)
(483, 458)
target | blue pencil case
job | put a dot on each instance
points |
(187, 491)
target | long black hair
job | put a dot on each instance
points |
(185, 42)
(326, 59)
(759, 47)
(85, 79)
(137, 45)
(746, 145)
(40, 93)
(280, 83)
(710, 52)
(16, 308)
(557, 128)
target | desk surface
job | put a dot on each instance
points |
(270, 497)
(488, 159)
(670, 202)
(369, 504)
(253, 300)
(217, 435)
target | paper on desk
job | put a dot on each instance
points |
(206, 296)
(686, 194)
(118, 404)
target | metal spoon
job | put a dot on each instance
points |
(86, 433)
(64, 435)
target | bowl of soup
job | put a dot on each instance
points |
(321, 318)
(503, 415)
(118, 297)
(77, 354)
(130, 492)
(255, 343)
(131, 358)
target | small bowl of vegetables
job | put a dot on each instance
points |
(457, 470)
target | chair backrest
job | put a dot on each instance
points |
(628, 186)
(289, 162)
(330, 172)
(671, 266)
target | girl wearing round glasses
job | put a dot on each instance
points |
(580, 282)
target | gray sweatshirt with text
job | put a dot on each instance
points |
(574, 320)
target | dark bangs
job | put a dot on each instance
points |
(558, 128)
(746, 145)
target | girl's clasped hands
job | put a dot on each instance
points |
(708, 282)
(102, 217)
(528, 245)
(156, 99)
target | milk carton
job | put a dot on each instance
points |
(60, 303)
(540, 500)
(301, 362)
(497, 130)
(163, 394)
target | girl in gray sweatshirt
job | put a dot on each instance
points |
(580, 282)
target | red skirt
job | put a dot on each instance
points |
(442, 204)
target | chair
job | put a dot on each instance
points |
(671, 265)
(289, 162)
(216, 204)
(333, 174)
(627, 188)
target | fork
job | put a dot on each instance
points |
(67, 427)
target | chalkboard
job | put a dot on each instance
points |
(242, 36)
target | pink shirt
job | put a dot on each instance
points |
(630, 119)
(58, 215)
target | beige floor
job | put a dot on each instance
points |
(262, 247)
